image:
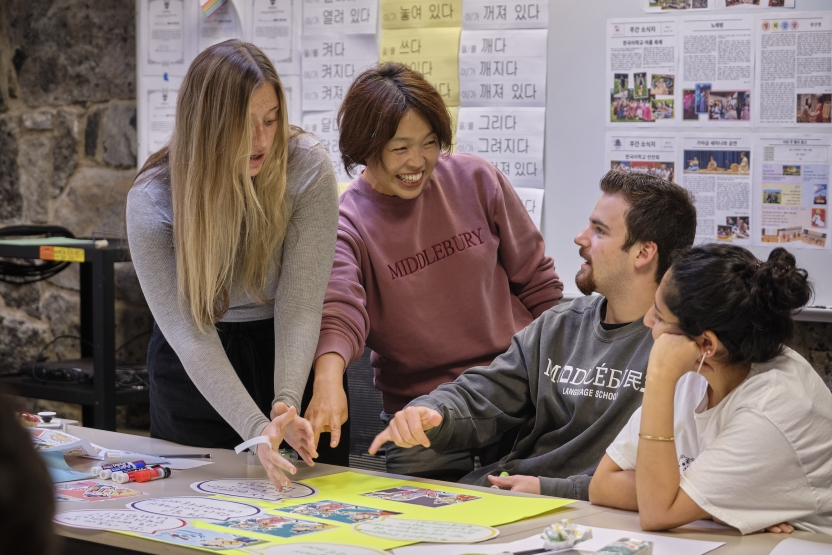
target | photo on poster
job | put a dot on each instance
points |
(278, 526)
(664, 170)
(627, 107)
(729, 105)
(421, 496)
(723, 233)
(653, 5)
(772, 196)
(620, 81)
(640, 90)
(702, 93)
(732, 3)
(814, 108)
(339, 512)
(662, 85)
(200, 537)
(740, 226)
(717, 161)
(818, 217)
(820, 193)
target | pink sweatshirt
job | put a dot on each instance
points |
(436, 284)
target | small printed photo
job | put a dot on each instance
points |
(279, 526)
(620, 83)
(702, 92)
(661, 85)
(789, 234)
(640, 90)
(662, 108)
(729, 105)
(776, 3)
(664, 170)
(818, 217)
(739, 226)
(689, 104)
(717, 161)
(791, 170)
(772, 196)
(94, 491)
(814, 238)
(731, 3)
(630, 110)
(724, 233)
(339, 512)
(814, 108)
(421, 496)
(820, 193)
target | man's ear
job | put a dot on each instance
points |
(647, 253)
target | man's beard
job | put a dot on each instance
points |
(585, 281)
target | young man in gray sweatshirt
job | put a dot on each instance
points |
(573, 377)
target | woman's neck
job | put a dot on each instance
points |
(723, 380)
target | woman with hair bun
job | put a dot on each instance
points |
(734, 425)
(232, 232)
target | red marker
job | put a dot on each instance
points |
(144, 475)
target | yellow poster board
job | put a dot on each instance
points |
(432, 52)
(349, 498)
(414, 14)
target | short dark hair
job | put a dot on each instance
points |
(660, 211)
(375, 103)
(747, 303)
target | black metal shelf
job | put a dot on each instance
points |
(98, 399)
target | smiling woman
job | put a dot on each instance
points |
(232, 231)
(437, 263)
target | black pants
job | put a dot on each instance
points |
(179, 412)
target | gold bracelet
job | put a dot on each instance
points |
(657, 438)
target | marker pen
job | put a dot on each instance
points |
(106, 470)
(144, 475)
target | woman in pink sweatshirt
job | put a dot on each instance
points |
(437, 263)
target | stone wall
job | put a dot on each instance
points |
(67, 157)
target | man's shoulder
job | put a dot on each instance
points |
(583, 306)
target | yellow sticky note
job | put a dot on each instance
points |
(412, 14)
(432, 52)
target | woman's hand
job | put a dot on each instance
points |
(526, 484)
(672, 356)
(782, 528)
(328, 409)
(269, 455)
(298, 433)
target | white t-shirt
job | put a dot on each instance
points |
(762, 456)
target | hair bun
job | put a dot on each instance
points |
(778, 286)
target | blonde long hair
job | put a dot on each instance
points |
(226, 224)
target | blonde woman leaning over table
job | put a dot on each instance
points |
(232, 233)
(748, 440)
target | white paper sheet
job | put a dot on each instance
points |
(503, 68)
(794, 70)
(716, 68)
(505, 14)
(642, 72)
(509, 138)
(792, 191)
(355, 17)
(274, 28)
(642, 153)
(533, 201)
(222, 25)
(165, 29)
(791, 546)
(325, 126)
(712, 168)
(330, 63)
(160, 110)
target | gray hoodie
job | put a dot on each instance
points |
(566, 382)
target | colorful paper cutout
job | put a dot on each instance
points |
(201, 537)
(122, 519)
(421, 496)
(320, 549)
(339, 512)
(94, 491)
(196, 507)
(426, 530)
(279, 526)
(253, 489)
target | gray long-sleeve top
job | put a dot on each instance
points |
(570, 386)
(304, 262)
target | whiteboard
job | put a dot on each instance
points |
(574, 154)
